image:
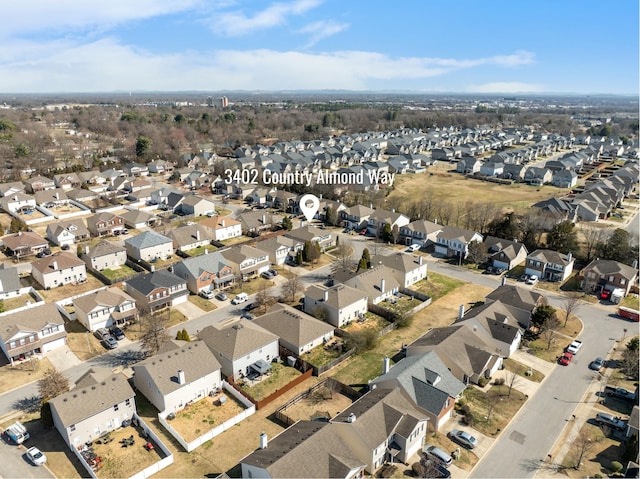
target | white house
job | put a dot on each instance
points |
(223, 227)
(105, 308)
(58, 269)
(341, 303)
(407, 269)
(149, 246)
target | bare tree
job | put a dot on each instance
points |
(492, 399)
(571, 304)
(52, 384)
(343, 255)
(291, 288)
(264, 300)
(549, 329)
(512, 378)
(592, 235)
(154, 334)
(583, 444)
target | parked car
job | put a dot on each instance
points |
(596, 364)
(248, 316)
(574, 347)
(438, 455)
(221, 296)
(620, 393)
(250, 306)
(613, 421)
(273, 272)
(533, 279)
(363, 232)
(464, 438)
(117, 333)
(565, 359)
(101, 333)
(240, 298)
(65, 247)
(110, 342)
(413, 247)
(499, 271)
(524, 277)
(266, 275)
(605, 294)
(206, 293)
(36, 456)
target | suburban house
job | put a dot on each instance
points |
(253, 222)
(505, 253)
(538, 176)
(9, 282)
(341, 303)
(105, 308)
(297, 332)
(324, 238)
(379, 284)
(149, 246)
(18, 203)
(241, 347)
(38, 183)
(356, 217)
(549, 265)
(380, 218)
(51, 198)
(279, 248)
(105, 224)
(222, 227)
(24, 243)
(104, 255)
(564, 179)
(495, 325)
(452, 241)
(189, 237)
(420, 232)
(157, 290)
(429, 383)
(246, 260)
(558, 209)
(67, 232)
(194, 205)
(607, 274)
(10, 188)
(67, 181)
(32, 331)
(208, 272)
(139, 219)
(464, 353)
(407, 269)
(519, 302)
(98, 403)
(58, 269)
(180, 373)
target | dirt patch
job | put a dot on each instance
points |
(322, 403)
(22, 373)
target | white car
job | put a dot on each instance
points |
(36, 456)
(533, 279)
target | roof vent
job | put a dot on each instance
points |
(351, 418)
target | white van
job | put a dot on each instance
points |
(437, 455)
(414, 247)
(240, 298)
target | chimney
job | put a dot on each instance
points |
(197, 235)
(382, 285)
(420, 260)
(222, 223)
(385, 365)
(57, 195)
(206, 251)
(86, 250)
(55, 265)
(325, 296)
(181, 377)
(264, 441)
(393, 210)
(569, 256)
(264, 219)
(461, 312)
(515, 240)
(435, 221)
(351, 418)
(504, 281)
(635, 264)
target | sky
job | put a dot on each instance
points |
(456, 46)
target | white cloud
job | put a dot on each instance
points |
(108, 65)
(237, 23)
(320, 30)
(506, 87)
(37, 16)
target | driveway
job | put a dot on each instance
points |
(190, 310)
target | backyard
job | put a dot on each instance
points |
(204, 415)
(17, 302)
(115, 275)
(437, 285)
(262, 387)
(321, 403)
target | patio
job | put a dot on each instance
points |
(119, 460)
(205, 414)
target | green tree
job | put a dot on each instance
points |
(618, 247)
(331, 216)
(185, 335)
(366, 257)
(387, 233)
(299, 257)
(21, 151)
(542, 315)
(563, 237)
(506, 227)
(633, 343)
(179, 118)
(143, 146)
(17, 225)
(287, 223)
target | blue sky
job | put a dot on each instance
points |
(461, 46)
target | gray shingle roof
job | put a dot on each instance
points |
(339, 295)
(293, 326)
(147, 239)
(158, 279)
(237, 339)
(104, 248)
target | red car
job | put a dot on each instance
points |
(363, 232)
(565, 359)
(605, 294)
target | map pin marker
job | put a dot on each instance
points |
(309, 205)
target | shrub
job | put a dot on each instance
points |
(499, 382)
(616, 466)
(482, 382)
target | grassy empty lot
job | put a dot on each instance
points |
(321, 402)
(502, 413)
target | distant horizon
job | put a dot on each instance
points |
(462, 47)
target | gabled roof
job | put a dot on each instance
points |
(212, 263)
(56, 262)
(137, 216)
(608, 267)
(401, 262)
(423, 226)
(23, 239)
(194, 358)
(9, 280)
(31, 319)
(550, 256)
(358, 211)
(105, 298)
(236, 339)
(147, 239)
(76, 226)
(93, 397)
(219, 222)
(454, 233)
(104, 248)
(239, 253)
(494, 318)
(307, 233)
(369, 281)
(339, 296)
(293, 326)
(189, 234)
(158, 279)
(386, 216)
(520, 298)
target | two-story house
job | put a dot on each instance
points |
(105, 224)
(324, 238)
(38, 183)
(32, 332)
(452, 241)
(420, 232)
(505, 253)
(380, 218)
(246, 260)
(279, 248)
(149, 246)
(157, 290)
(105, 308)
(195, 205)
(607, 274)
(104, 255)
(206, 272)
(341, 303)
(189, 237)
(549, 265)
(18, 203)
(407, 269)
(58, 269)
(355, 217)
(67, 232)
(241, 347)
(379, 283)
(98, 403)
(222, 227)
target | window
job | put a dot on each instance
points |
(115, 407)
(72, 427)
(127, 402)
(623, 281)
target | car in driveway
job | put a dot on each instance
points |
(109, 342)
(36, 456)
(206, 294)
(615, 422)
(437, 455)
(266, 275)
(464, 438)
(565, 359)
(533, 279)
(101, 333)
(117, 333)
(221, 296)
(596, 364)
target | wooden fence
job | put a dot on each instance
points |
(276, 394)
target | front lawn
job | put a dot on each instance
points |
(521, 369)
(252, 286)
(632, 301)
(437, 285)
(202, 303)
(505, 408)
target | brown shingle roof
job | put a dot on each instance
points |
(236, 339)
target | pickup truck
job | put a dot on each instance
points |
(17, 433)
(574, 347)
(620, 393)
